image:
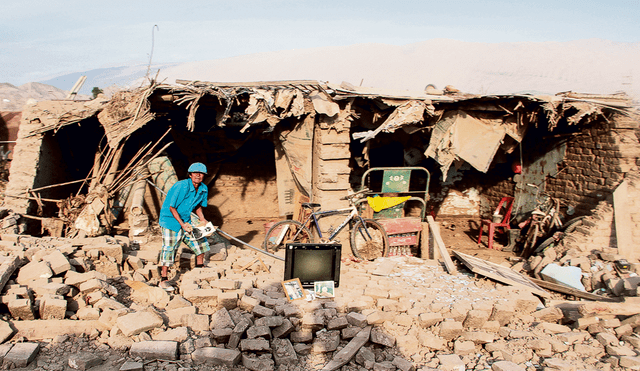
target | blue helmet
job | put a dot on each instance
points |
(197, 167)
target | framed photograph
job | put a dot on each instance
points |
(324, 289)
(293, 289)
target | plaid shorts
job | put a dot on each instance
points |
(171, 240)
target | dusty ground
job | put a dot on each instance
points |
(460, 234)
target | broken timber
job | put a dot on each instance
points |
(435, 232)
(499, 273)
(568, 290)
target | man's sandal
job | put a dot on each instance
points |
(165, 285)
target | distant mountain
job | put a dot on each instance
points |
(586, 66)
(12, 98)
(102, 78)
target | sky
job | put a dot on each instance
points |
(41, 39)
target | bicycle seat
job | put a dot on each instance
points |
(309, 205)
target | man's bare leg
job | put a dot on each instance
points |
(200, 260)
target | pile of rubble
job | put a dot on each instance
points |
(586, 259)
(93, 302)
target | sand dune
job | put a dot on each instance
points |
(587, 66)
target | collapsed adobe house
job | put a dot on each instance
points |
(317, 139)
(268, 144)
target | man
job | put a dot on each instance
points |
(185, 197)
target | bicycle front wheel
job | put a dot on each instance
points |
(369, 240)
(284, 232)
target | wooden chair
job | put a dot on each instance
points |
(507, 204)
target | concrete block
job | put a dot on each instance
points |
(221, 335)
(179, 335)
(283, 330)
(135, 323)
(429, 319)
(260, 311)
(403, 364)
(312, 322)
(254, 345)
(174, 316)
(228, 300)
(273, 321)
(95, 284)
(630, 362)
(476, 318)
(6, 332)
(237, 332)
(378, 336)
(21, 354)
(221, 319)
(254, 332)
(58, 262)
(357, 319)
(73, 278)
(21, 309)
(248, 303)
(53, 308)
(197, 322)
(216, 356)
(366, 358)
(34, 271)
(84, 361)
(132, 366)
(262, 363)
(283, 352)
(552, 314)
(462, 347)
(503, 313)
(166, 350)
(326, 341)
(506, 366)
(338, 323)
(450, 329)
(450, 362)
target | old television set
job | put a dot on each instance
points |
(311, 262)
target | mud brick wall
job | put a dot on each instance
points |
(497, 183)
(331, 173)
(596, 161)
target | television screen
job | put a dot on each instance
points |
(311, 262)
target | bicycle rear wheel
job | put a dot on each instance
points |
(530, 242)
(284, 232)
(369, 240)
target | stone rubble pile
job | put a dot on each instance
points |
(585, 258)
(398, 313)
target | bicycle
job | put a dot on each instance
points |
(368, 238)
(544, 221)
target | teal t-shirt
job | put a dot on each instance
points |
(184, 198)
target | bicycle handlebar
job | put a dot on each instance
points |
(355, 194)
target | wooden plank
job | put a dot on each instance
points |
(435, 232)
(424, 243)
(499, 273)
(622, 218)
(569, 290)
(597, 308)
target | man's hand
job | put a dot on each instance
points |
(187, 227)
